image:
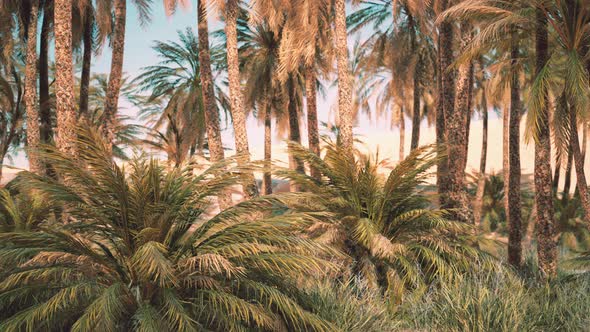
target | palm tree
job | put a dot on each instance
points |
(45, 113)
(231, 13)
(64, 78)
(344, 80)
(30, 98)
(394, 240)
(118, 47)
(495, 17)
(546, 244)
(137, 253)
(176, 81)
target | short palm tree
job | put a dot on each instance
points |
(384, 222)
(139, 252)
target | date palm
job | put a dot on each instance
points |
(139, 253)
(12, 112)
(383, 222)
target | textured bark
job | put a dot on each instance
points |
(344, 84)
(446, 99)
(417, 92)
(313, 135)
(546, 243)
(294, 130)
(456, 126)
(235, 95)
(481, 180)
(30, 99)
(579, 165)
(213, 128)
(64, 78)
(514, 208)
(267, 179)
(44, 102)
(402, 134)
(506, 159)
(114, 85)
(416, 107)
(556, 175)
(86, 62)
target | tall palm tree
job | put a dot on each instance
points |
(231, 13)
(344, 80)
(30, 98)
(116, 70)
(64, 78)
(45, 113)
(546, 244)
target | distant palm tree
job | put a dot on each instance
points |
(13, 111)
(138, 253)
(176, 82)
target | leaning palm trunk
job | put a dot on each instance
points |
(33, 130)
(313, 136)
(546, 244)
(514, 206)
(114, 85)
(64, 78)
(481, 179)
(86, 63)
(344, 85)
(211, 113)
(456, 123)
(235, 95)
(582, 186)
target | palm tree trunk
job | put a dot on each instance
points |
(344, 86)
(556, 175)
(546, 244)
(567, 183)
(114, 85)
(235, 95)
(579, 165)
(481, 180)
(294, 130)
(64, 78)
(514, 208)
(506, 159)
(86, 63)
(313, 135)
(446, 100)
(456, 137)
(416, 107)
(33, 131)
(44, 102)
(267, 179)
(402, 134)
(211, 112)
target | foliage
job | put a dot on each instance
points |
(140, 252)
(385, 224)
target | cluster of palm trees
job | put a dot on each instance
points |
(440, 60)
